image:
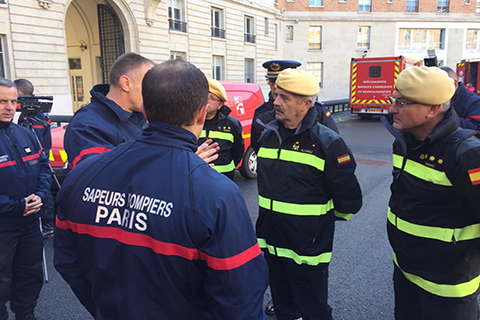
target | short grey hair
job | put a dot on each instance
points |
(7, 83)
(445, 106)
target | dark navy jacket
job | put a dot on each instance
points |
(23, 171)
(306, 181)
(143, 233)
(434, 209)
(467, 106)
(227, 131)
(100, 126)
(267, 108)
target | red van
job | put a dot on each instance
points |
(243, 98)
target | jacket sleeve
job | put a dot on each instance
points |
(254, 134)
(467, 174)
(44, 178)
(11, 207)
(85, 137)
(236, 275)
(341, 180)
(238, 148)
(66, 256)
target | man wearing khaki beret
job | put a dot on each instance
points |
(306, 182)
(434, 210)
(223, 129)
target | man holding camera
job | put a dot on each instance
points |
(25, 167)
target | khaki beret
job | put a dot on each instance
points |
(217, 89)
(298, 82)
(425, 85)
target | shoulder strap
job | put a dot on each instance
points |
(450, 156)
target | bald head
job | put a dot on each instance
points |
(451, 74)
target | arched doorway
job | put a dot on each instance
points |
(95, 39)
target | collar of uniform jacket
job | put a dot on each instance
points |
(171, 136)
(307, 122)
(99, 92)
(5, 125)
(445, 127)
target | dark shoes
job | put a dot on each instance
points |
(47, 228)
(269, 309)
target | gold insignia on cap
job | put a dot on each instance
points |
(275, 66)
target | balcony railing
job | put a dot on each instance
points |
(177, 25)
(249, 37)
(218, 33)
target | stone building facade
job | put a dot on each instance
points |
(66, 46)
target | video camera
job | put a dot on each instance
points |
(34, 104)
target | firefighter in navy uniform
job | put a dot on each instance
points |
(306, 182)
(114, 114)
(434, 209)
(40, 123)
(224, 129)
(24, 183)
(274, 67)
(465, 103)
(142, 231)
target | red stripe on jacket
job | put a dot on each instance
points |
(160, 247)
(88, 151)
(8, 163)
(33, 156)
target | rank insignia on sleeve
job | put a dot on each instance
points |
(474, 176)
(344, 159)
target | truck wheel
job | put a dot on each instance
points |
(248, 168)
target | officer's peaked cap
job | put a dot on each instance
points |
(274, 67)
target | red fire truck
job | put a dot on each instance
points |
(467, 73)
(372, 82)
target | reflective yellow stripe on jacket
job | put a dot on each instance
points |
(443, 290)
(217, 135)
(294, 208)
(290, 254)
(436, 233)
(422, 172)
(293, 156)
(225, 168)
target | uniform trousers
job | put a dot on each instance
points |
(414, 303)
(21, 275)
(298, 290)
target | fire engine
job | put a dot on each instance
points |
(372, 82)
(467, 73)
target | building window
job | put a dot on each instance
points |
(217, 67)
(2, 59)
(176, 18)
(275, 36)
(316, 3)
(473, 39)
(249, 27)
(316, 70)
(478, 7)
(315, 38)
(442, 6)
(266, 26)
(249, 70)
(289, 33)
(412, 5)
(363, 38)
(177, 55)
(467, 1)
(364, 5)
(218, 30)
(415, 39)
